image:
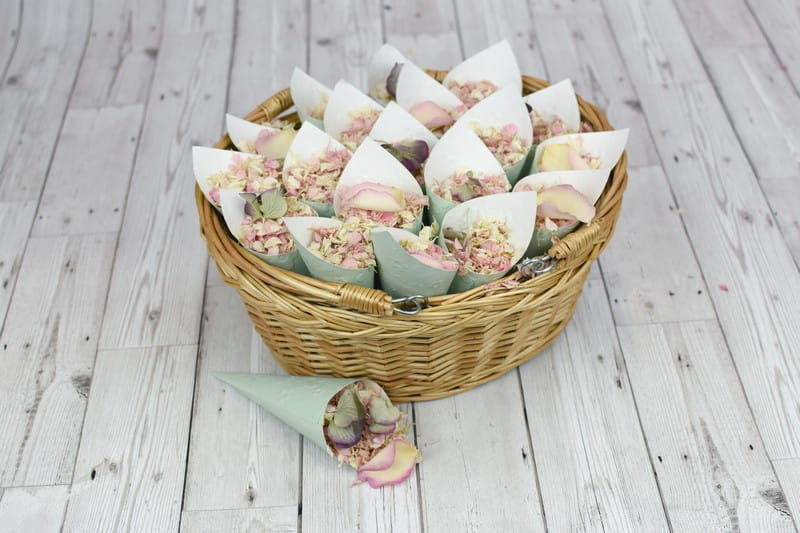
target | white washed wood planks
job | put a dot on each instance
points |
(130, 467)
(562, 466)
(590, 383)
(48, 348)
(261, 520)
(239, 455)
(15, 219)
(120, 55)
(425, 32)
(762, 104)
(788, 471)
(780, 20)
(157, 288)
(782, 194)
(663, 283)
(9, 32)
(270, 40)
(712, 467)
(33, 509)
(88, 181)
(727, 23)
(342, 40)
(581, 47)
(483, 22)
(35, 91)
(653, 41)
(477, 472)
(739, 248)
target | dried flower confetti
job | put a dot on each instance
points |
(362, 121)
(485, 248)
(315, 179)
(248, 173)
(472, 92)
(347, 246)
(465, 185)
(429, 253)
(378, 204)
(504, 142)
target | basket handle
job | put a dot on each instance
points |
(365, 300)
(577, 242)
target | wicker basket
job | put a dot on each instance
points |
(461, 340)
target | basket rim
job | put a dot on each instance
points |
(304, 290)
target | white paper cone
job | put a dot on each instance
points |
(496, 64)
(415, 86)
(396, 124)
(307, 94)
(233, 213)
(371, 163)
(557, 100)
(209, 161)
(506, 106)
(590, 183)
(400, 273)
(380, 67)
(460, 148)
(345, 99)
(517, 209)
(243, 135)
(607, 145)
(309, 142)
(302, 229)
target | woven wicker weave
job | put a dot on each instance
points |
(315, 327)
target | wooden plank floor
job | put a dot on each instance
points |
(671, 402)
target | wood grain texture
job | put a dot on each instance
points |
(788, 471)
(782, 195)
(120, 57)
(271, 38)
(478, 435)
(240, 456)
(40, 76)
(130, 468)
(727, 23)
(562, 467)
(779, 21)
(711, 465)
(762, 104)
(331, 503)
(160, 253)
(425, 32)
(587, 403)
(39, 509)
(261, 520)
(581, 47)
(15, 219)
(342, 39)
(750, 273)
(48, 348)
(482, 23)
(656, 286)
(86, 188)
(9, 32)
(654, 42)
(565, 7)
(198, 16)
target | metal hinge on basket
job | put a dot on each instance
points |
(410, 305)
(532, 267)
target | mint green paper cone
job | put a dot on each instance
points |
(515, 172)
(322, 209)
(438, 207)
(542, 239)
(298, 401)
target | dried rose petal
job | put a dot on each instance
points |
(465, 185)
(567, 156)
(432, 115)
(564, 201)
(391, 466)
(430, 254)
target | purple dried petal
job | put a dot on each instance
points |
(251, 206)
(391, 80)
(344, 436)
(412, 154)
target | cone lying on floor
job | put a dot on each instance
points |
(307, 405)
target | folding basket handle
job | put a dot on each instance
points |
(577, 242)
(365, 300)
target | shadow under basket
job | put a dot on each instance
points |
(459, 341)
